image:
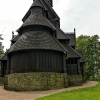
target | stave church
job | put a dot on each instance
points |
(42, 56)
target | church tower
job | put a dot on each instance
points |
(37, 51)
(41, 55)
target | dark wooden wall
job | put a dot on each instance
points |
(64, 42)
(36, 61)
(3, 68)
(82, 68)
(72, 66)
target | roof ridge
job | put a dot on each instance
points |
(37, 19)
(60, 45)
(63, 33)
(69, 33)
(79, 56)
(14, 37)
(5, 54)
(75, 51)
(29, 41)
(51, 9)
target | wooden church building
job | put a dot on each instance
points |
(42, 56)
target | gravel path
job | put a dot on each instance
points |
(11, 95)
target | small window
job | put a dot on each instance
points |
(46, 14)
(75, 61)
(68, 61)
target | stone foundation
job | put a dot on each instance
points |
(75, 80)
(35, 81)
(2, 80)
(84, 79)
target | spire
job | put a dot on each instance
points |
(37, 3)
(12, 34)
(49, 2)
(74, 30)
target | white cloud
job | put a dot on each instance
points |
(11, 13)
(13, 9)
(84, 15)
(6, 28)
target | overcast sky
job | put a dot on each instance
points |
(84, 15)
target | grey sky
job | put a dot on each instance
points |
(84, 15)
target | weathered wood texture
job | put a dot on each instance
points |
(36, 61)
(3, 68)
(72, 66)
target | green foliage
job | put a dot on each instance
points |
(91, 93)
(90, 45)
(1, 50)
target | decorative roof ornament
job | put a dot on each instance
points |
(12, 34)
(74, 30)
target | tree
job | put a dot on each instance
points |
(91, 49)
(1, 50)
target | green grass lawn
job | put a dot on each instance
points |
(91, 93)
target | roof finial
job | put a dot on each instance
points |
(12, 34)
(74, 30)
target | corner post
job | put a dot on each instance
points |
(65, 71)
(78, 64)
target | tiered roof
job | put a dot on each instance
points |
(42, 1)
(15, 38)
(37, 18)
(72, 53)
(37, 39)
(40, 39)
(61, 34)
(4, 57)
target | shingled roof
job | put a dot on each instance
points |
(72, 53)
(72, 37)
(65, 49)
(37, 19)
(52, 9)
(50, 2)
(29, 11)
(61, 34)
(36, 40)
(16, 38)
(4, 57)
